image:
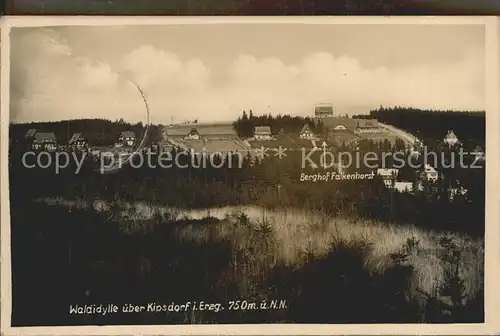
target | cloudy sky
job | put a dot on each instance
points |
(213, 72)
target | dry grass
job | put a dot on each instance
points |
(263, 239)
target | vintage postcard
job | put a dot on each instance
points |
(249, 175)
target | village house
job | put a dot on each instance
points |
(306, 132)
(479, 154)
(262, 133)
(403, 186)
(30, 134)
(339, 128)
(388, 176)
(45, 141)
(78, 142)
(29, 137)
(323, 111)
(193, 134)
(127, 138)
(451, 139)
(454, 192)
(367, 126)
(429, 173)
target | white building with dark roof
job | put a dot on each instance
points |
(451, 139)
(262, 133)
(323, 111)
(193, 134)
(306, 132)
(45, 141)
(78, 141)
(127, 138)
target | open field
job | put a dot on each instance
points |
(285, 141)
(360, 269)
(213, 137)
(203, 129)
(338, 138)
(378, 137)
(387, 132)
(214, 145)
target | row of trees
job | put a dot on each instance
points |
(244, 125)
(246, 179)
(234, 180)
(99, 132)
(431, 126)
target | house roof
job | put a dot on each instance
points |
(128, 134)
(262, 129)
(403, 186)
(31, 133)
(45, 137)
(478, 149)
(429, 169)
(75, 137)
(325, 109)
(451, 135)
(305, 129)
(387, 172)
(366, 123)
(331, 123)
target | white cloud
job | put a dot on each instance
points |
(57, 84)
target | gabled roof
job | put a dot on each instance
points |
(366, 123)
(45, 137)
(75, 137)
(451, 135)
(429, 169)
(127, 134)
(305, 129)
(478, 149)
(324, 109)
(387, 172)
(403, 186)
(31, 133)
(331, 123)
(262, 129)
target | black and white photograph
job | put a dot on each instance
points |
(285, 172)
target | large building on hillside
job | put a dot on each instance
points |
(340, 130)
(45, 141)
(323, 111)
(365, 126)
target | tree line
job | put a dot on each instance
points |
(235, 179)
(245, 124)
(99, 132)
(430, 125)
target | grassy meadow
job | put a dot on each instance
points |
(328, 269)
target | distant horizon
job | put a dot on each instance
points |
(213, 72)
(215, 122)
